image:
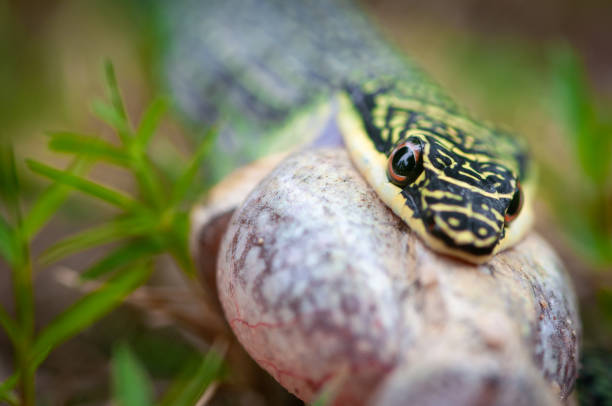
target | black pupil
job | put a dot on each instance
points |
(403, 161)
(515, 203)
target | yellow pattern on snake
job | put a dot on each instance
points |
(463, 186)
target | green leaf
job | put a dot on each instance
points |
(190, 387)
(150, 121)
(120, 228)
(88, 310)
(150, 185)
(122, 256)
(8, 246)
(131, 384)
(110, 116)
(85, 145)
(9, 397)
(178, 243)
(115, 114)
(113, 87)
(186, 179)
(86, 186)
(322, 399)
(10, 327)
(328, 394)
(6, 390)
(49, 201)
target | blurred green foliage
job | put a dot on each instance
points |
(18, 228)
(151, 223)
(133, 387)
(148, 224)
(583, 202)
(157, 219)
(197, 376)
(595, 381)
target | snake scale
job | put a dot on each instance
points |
(464, 186)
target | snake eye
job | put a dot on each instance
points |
(405, 162)
(515, 206)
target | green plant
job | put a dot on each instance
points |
(153, 222)
(582, 190)
(132, 385)
(16, 232)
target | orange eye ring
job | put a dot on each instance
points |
(516, 204)
(405, 162)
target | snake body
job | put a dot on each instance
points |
(465, 186)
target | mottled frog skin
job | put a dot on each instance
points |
(323, 285)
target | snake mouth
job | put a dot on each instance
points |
(476, 238)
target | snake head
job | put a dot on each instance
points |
(461, 201)
(460, 185)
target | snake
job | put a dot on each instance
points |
(463, 185)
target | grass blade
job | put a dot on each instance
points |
(108, 114)
(10, 327)
(6, 390)
(106, 233)
(122, 256)
(9, 397)
(150, 185)
(85, 145)
(328, 394)
(179, 243)
(113, 88)
(189, 388)
(49, 201)
(186, 180)
(131, 384)
(86, 186)
(150, 121)
(8, 249)
(87, 310)
(115, 114)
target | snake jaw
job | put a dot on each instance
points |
(461, 227)
(440, 230)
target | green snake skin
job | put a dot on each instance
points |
(261, 62)
(254, 66)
